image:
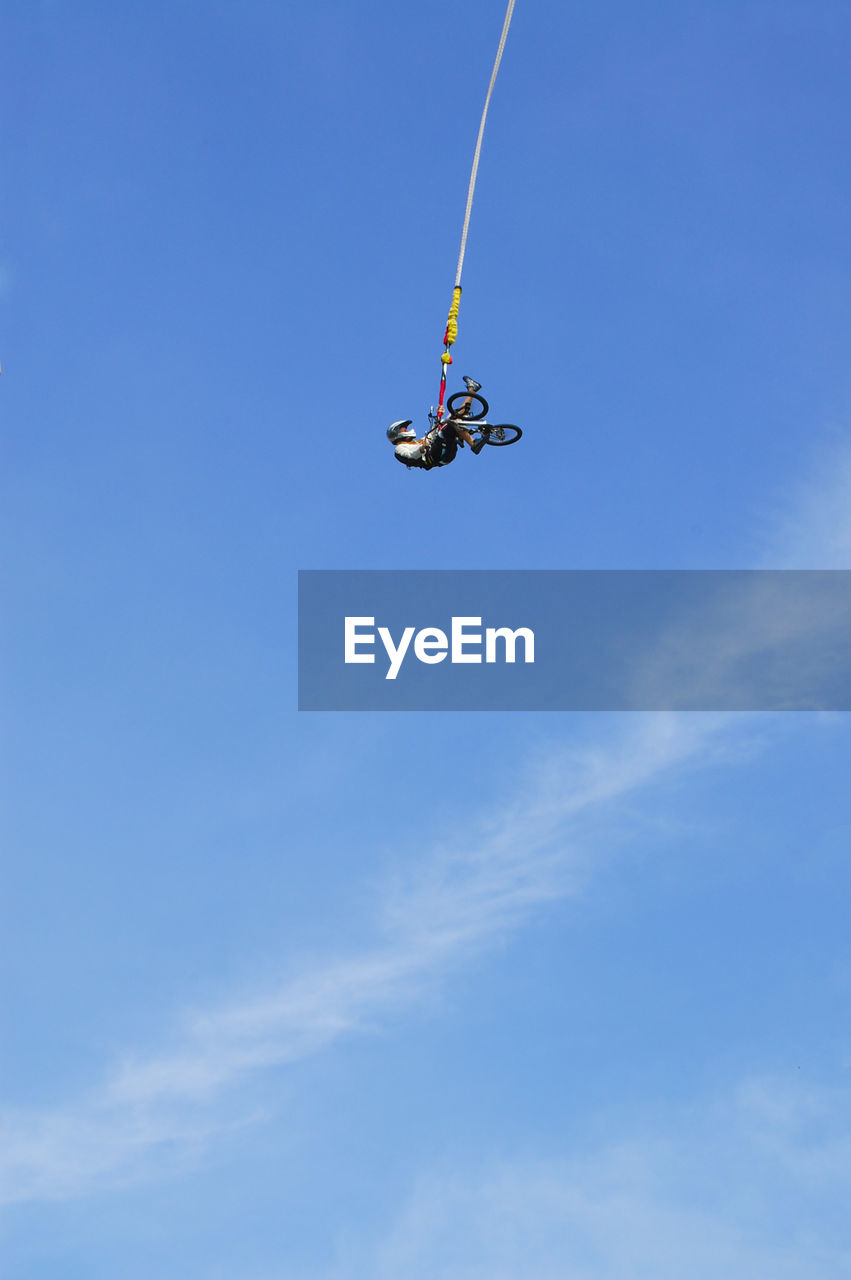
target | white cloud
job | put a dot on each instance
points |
(723, 1190)
(159, 1106)
(462, 896)
(747, 642)
(811, 529)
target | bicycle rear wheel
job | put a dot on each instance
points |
(505, 433)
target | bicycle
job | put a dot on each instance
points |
(497, 434)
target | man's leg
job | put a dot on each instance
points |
(461, 432)
(472, 387)
(466, 404)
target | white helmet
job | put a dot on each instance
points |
(401, 430)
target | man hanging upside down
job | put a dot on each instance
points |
(437, 448)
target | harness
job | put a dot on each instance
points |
(426, 462)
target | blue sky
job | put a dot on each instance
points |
(343, 997)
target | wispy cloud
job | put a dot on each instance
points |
(157, 1107)
(462, 895)
(770, 640)
(752, 1186)
(811, 527)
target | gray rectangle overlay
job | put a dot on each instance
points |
(601, 640)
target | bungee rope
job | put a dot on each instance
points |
(451, 332)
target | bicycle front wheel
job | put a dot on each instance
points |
(458, 399)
